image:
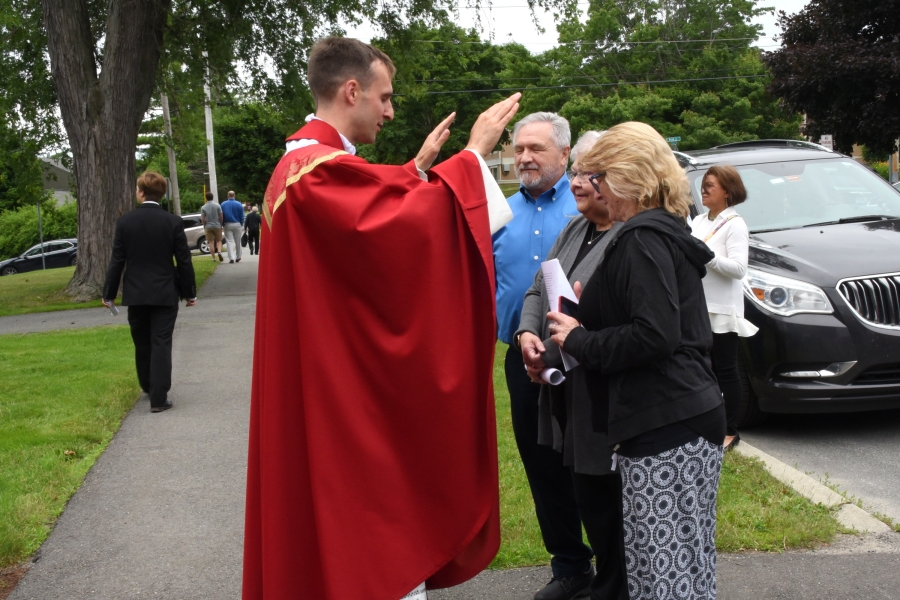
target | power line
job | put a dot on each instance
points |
(587, 43)
(588, 85)
(570, 76)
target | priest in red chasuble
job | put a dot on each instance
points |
(373, 469)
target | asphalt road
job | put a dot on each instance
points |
(857, 452)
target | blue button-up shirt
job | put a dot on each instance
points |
(233, 211)
(520, 247)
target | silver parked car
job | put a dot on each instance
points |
(193, 230)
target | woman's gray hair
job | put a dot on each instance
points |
(562, 136)
(585, 143)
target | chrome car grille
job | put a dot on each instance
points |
(875, 300)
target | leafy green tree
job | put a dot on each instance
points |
(27, 97)
(439, 71)
(106, 59)
(21, 171)
(840, 64)
(249, 143)
(685, 67)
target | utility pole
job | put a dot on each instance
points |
(170, 150)
(41, 235)
(210, 148)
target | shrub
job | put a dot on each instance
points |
(19, 228)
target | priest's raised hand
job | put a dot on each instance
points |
(485, 133)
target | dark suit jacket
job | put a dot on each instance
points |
(146, 240)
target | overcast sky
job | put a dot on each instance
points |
(510, 20)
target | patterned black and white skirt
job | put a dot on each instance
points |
(669, 505)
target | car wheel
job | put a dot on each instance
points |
(202, 245)
(749, 413)
(9, 271)
(73, 261)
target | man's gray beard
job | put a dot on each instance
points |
(534, 181)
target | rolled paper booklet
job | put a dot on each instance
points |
(553, 376)
(417, 594)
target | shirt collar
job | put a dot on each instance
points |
(348, 147)
(724, 214)
(561, 184)
(150, 202)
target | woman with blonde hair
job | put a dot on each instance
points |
(643, 337)
(565, 409)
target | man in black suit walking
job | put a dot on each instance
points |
(146, 240)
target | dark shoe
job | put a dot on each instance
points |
(231, 262)
(567, 588)
(237, 260)
(220, 257)
(734, 442)
(165, 406)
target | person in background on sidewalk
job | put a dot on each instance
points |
(251, 225)
(211, 215)
(541, 209)
(726, 234)
(146, 239)
(233, 212)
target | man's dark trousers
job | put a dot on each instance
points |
(151, 330)
(253, 240)
(550, 481)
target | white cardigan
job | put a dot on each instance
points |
(722, 284)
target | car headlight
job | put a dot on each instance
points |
(784, 296)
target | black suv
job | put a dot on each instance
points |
(823, 283)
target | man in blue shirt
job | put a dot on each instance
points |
(233, 212)
(543, 206)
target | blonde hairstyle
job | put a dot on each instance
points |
(640, 167)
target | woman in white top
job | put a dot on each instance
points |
(726, 234)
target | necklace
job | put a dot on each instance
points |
(599, 235)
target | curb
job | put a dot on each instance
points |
(849, 515)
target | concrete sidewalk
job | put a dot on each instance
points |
(161, 513)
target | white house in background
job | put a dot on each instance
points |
(502, 164)
(58, 180)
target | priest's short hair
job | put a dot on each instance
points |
(335, 60)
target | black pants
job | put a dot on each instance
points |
(151, 330)
(599, 500)
(724, 363)
(550, 481)
(253, 240)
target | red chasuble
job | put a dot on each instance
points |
(373, 461)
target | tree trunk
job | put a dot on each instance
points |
(102, 115)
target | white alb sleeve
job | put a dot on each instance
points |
(499, 212)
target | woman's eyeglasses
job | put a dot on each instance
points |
(582, 175)
(595, 180)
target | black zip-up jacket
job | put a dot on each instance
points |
(646, 337)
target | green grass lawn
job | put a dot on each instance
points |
(44, 291)
(64, 396)
(755, 510)
(509, 189)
